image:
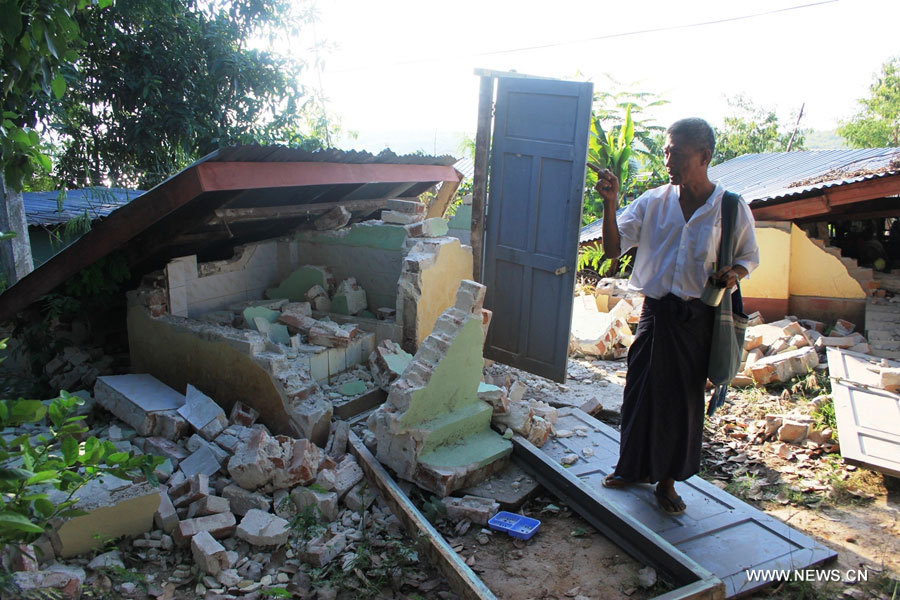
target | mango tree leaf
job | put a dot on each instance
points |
(69, 450)
(40, 476)
(13, 520)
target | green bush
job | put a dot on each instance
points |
(31, 465)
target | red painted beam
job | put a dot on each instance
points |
(217, 176)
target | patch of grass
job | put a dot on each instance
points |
(805, 590)
(824, 417)
(306, 523)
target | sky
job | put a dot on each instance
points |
(400, 73)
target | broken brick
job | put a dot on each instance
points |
(208, 505)
(325, 502)
(322, 550)
(242, 500)
(332, 335)
(204, 415)
(244, 415)
(190, 491)
(474, 508)
(209, 555)
(165, 517)
(219, 526)
(359, 497)
(263, 529)
(335, 218)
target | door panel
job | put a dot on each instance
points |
(533, 218)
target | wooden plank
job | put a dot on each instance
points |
(445, 195)
(479, 178)
(868, 418)
(267, 213)
(361, 404)
(717, 531)
(460, 577)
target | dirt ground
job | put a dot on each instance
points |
(851, 510)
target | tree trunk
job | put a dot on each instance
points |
(15, 253)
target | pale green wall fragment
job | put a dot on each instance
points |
(253, 312)
(298, 283)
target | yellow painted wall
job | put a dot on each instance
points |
(772, 278)
(814, 272)
(439, 284)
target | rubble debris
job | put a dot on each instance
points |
(349, 298)
(388, 362)
(476, 509)
(113, 508)
(261, 528)
(331, 335)
(323, 549)
(143, 402)
(241, 414)
(209, 554)
(495, 396)
(335, 218)
(258, 317)
(59, 580)
(324, 502)
(318, 298)
(76, 367)
(219, 525)
(602, 334)
(785, 366)
(297, 285)
(204, 415)
(433, 430)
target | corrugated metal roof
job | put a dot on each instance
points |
(48, 208)
(255, 153)
(466, 166)
(782, 175)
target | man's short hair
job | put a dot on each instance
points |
(696, 132)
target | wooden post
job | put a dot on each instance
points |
(445, 195)
(479, 179)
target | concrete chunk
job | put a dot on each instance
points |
(322, 550)
(203, 413)
(474, 508)
(190, 491)
(263, 529)
(208, 505)
(219, 526)
(144, 402)
(113, 508)
(165, 517)
(347, 475)
(349, 298)
(242, 500)
(209, 554)
(203, 460)
(326, 503)
(359, 497)
(241, 414)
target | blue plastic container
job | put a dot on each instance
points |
(518, 526)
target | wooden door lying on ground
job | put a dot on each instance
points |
(533, 218)
(868, 418)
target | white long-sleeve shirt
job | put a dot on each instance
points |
(677, 257)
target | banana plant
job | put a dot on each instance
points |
(611, 151)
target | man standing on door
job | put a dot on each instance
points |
(676, 228)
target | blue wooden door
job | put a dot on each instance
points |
(538, 155)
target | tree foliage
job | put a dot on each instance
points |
(161, 83)
(877, 124)
(37, 37)
(624, 139)
(752, 129)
